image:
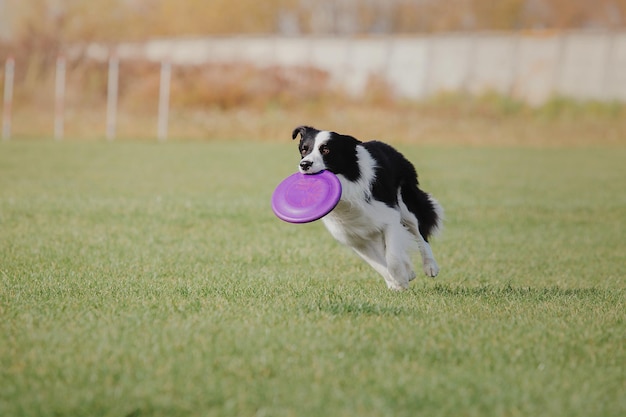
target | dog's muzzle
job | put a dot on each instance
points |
(305, 165)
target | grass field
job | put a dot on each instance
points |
(144, 279)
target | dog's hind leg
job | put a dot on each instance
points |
(409, 221)
(429, 264)
(428, 260)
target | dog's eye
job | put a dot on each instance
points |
(324, 150)
(304, 150)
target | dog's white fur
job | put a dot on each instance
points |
(383, 236)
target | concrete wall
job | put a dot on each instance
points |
(532, 67)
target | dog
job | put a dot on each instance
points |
(382, 214)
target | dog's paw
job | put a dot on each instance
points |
(397, 286)
(431, 268)
(412, 275)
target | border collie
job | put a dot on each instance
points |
(382, 214)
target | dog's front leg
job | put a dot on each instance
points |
(397, 242)
(374, 254)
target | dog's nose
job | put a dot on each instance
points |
(305, 165)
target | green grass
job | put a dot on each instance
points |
(142, 279)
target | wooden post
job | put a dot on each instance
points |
(112, 97)
(59, 98)
(9, 69)
(164, 98)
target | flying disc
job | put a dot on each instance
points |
(303, 198)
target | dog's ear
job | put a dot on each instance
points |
(299, 130)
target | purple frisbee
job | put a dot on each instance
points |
(303, 198)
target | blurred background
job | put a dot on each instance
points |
(424, 71)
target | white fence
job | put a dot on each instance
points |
(532, 67)
(529, 67)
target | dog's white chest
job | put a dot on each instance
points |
(349, 224)
(357, 218)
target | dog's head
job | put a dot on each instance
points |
(321, 149)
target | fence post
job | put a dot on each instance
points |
(112, 87)
(513, 70)
(606, 92)
(59, 98)
(164, 98)
(9, 69)
(425, 81)
(559, 67)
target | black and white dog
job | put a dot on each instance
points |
(382, 213)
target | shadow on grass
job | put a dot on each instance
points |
(526, 293)
(336, 303)
(341, 304)
(357, 308)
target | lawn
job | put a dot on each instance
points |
(145, 279)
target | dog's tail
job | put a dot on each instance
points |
(428, 211)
